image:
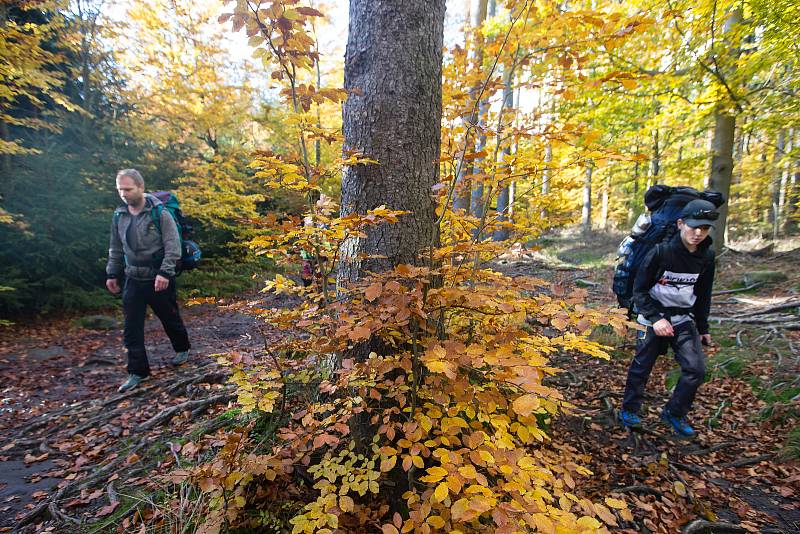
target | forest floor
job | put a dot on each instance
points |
(77, 457)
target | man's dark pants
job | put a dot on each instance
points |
(136, 296)
(689, 355)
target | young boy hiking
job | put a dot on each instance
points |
(672, 295)
(148, 254)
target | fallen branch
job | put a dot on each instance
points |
(771, 309)
(701, 526)
(747, 461)
(709, 450)
(639, 489)
(191, 405)
(737, 290)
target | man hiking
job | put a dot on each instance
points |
(672, 295)
(147, 253)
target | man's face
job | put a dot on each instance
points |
(693, 236)
(129, 192)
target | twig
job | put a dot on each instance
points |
(639, 489)
(709, 450)
(770, 309)
(701, 526)
(737, 290)
(747, 461)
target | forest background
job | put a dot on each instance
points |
(585, 114)
(413, 385)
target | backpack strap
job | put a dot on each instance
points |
(155, 214)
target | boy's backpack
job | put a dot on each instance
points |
(190, 251)
(665, 204)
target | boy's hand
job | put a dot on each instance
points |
(663, 328)
(705, 339)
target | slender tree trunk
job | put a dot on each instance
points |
(655, 163)
(476, 200)
(546, 174)
(794, 194)
(463, 187)
(586, 212)
(722, 160)
(604, 201)
(633, 202)
(774, 184)
(393, 72)
(785, 195)
(504, 194)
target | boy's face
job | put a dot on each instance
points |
(692, 237)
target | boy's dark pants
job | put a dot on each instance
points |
(689, 355)
(136, 295)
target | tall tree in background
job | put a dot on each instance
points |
(724, 131)
(392, 116)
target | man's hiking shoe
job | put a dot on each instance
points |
(180, 358)
(629, 419)
(678, 424)
(130, 383)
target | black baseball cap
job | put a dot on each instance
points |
(699, 212)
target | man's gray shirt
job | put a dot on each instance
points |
(138, 247)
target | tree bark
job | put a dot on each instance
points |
(724, 136)
(393, 73)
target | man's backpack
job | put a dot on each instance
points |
(665, 204)
(190, 251)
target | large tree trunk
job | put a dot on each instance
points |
(724, 136)
(393, 73)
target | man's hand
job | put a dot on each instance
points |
(663, 328)
(113, 285)
(705, 339)
(161, 283)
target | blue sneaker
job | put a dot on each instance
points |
(678, 424)
(629, 419)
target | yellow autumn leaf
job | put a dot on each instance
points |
(346, 503)
(441, 492)
(442, 366)
(615, 503)
(525, 404)
(435, 521)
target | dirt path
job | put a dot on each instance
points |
(68, 437)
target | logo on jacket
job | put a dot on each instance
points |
(678, 279)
